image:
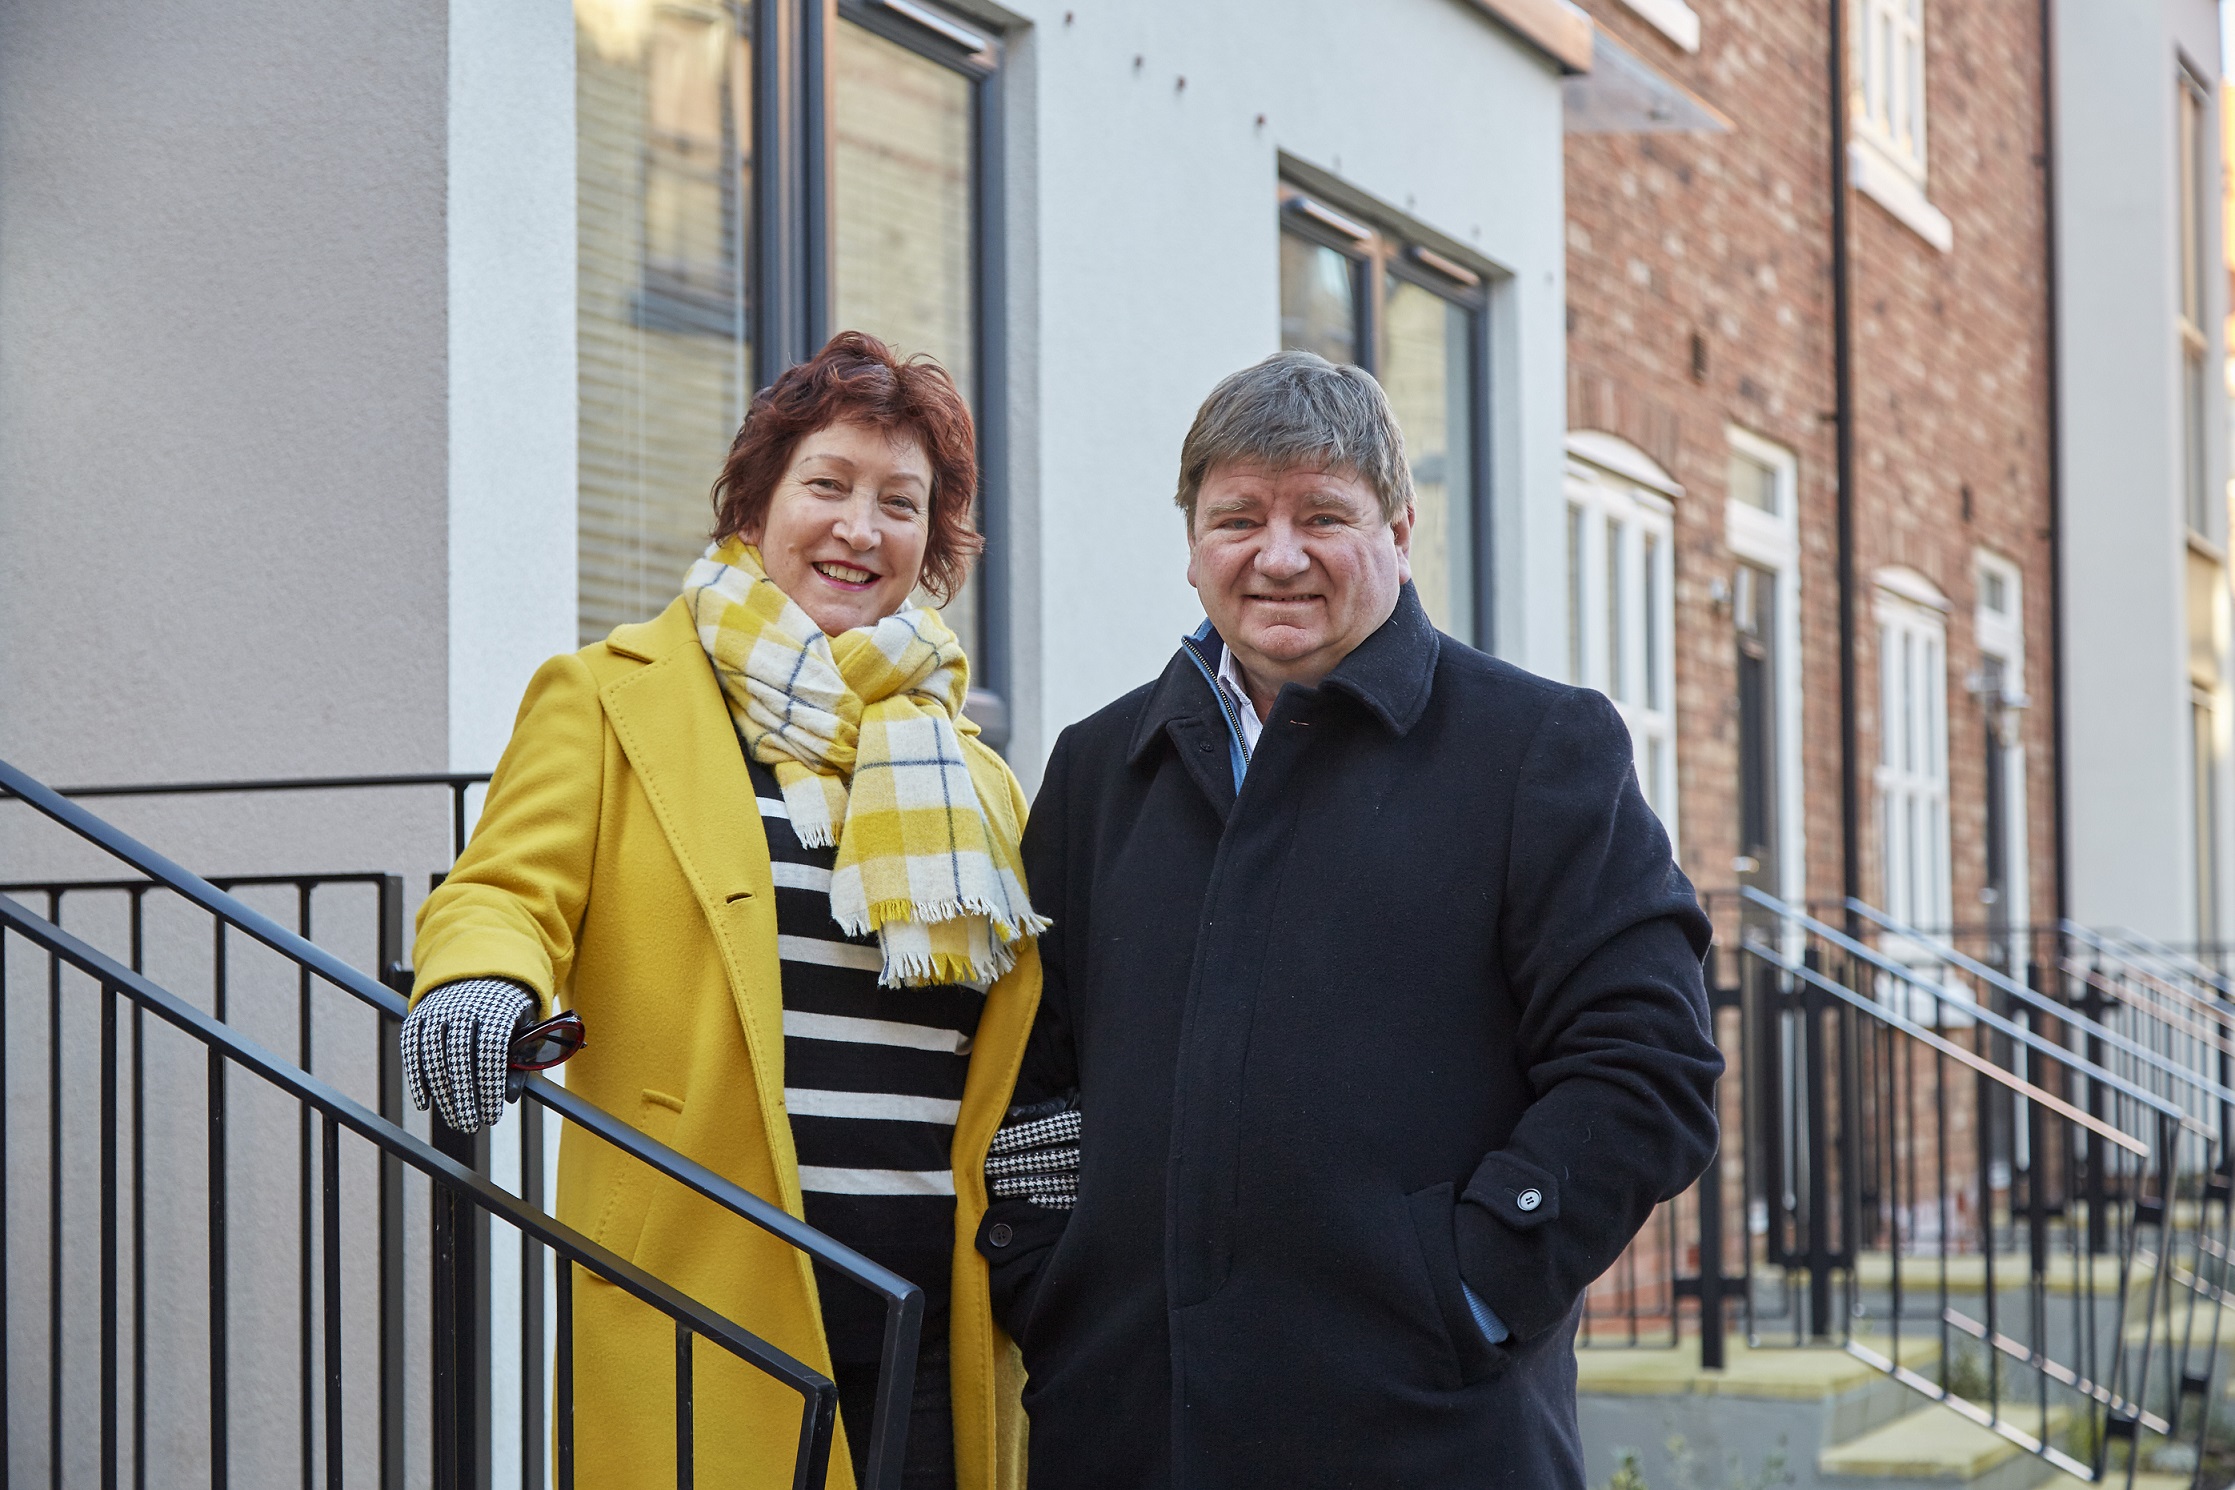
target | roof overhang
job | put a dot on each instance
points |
(1557, 28)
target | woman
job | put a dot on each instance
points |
(695, 840)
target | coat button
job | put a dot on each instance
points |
(1529, 1200)
(999, 1234)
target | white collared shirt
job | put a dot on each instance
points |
(1237, 695)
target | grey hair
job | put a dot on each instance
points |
(1298, 409)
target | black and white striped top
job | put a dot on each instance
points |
(873, 1080)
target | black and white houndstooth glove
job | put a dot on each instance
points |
(1035, 1155)
(457, 1043)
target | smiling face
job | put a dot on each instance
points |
(1295, 567)
(846, 527)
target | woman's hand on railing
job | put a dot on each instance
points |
(456, 1043)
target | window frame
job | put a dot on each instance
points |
(1875, 79)
(790, 249)
(1381, 245)
(1906, 615)
(1603, 498)
(977, 52)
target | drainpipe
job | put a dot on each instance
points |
(2050, 273)
(1843, 416)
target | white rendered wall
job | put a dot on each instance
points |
(1158, 273)
(223, 514)
(222, 481)
(512, 361)
(2126, 700)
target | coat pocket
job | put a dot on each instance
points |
(1430, 1210)
(621, 1219)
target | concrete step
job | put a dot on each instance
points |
(1761, 1420)
(1937, 1445)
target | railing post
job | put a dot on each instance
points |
(1819, 1152)
(1710, 1278)
(2036, 1157)
(2091, 1004)
(461, 1321)
(1711, 1263)
(394, 1393)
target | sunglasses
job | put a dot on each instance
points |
(539, 1047)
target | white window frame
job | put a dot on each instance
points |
(1623, 495)
(1771, 541)
(1672, 18)
(1886, 151)
(2001, 635)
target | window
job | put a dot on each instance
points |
(1892, 58)
(1913, 754)
(1755, 482)
(700, 280)
(663, 102)
(1415, 318)
(2196, 189)
(1761, 528)
(904, 229)
(1886, 116)
(1621, 617)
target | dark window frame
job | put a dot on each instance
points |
(792, 252)
(1394, 249)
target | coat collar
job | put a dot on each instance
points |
(1390, 673)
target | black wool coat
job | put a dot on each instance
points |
(1420, 1004)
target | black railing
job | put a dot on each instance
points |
(463, 1201)
(2008, 1190)
(459, 784)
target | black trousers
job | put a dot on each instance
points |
(930, 1461)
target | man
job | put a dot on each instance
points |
(1373, 1026)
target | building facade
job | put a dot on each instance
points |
(1728, 556)
(434, 371)
(2141, 312)
(353, 362)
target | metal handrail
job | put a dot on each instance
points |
(2041, 1045)
(904, 1301)
(2124, 957)
(1934, 1041)
(1860, 1172)
(457, 782)
(2139, 942)
(2033, 998)
(270, 784)
(818, 1393)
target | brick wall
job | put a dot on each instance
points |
(1699, 284)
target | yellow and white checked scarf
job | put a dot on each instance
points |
(860, 730)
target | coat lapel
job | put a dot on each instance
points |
(1183, 709)
(671, 722)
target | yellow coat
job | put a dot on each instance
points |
(620, 869)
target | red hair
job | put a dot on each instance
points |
(856, 378)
